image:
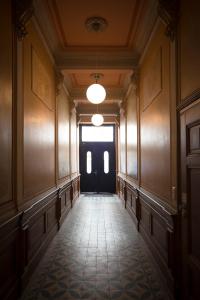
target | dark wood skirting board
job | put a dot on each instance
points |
(157, 224)
(132, 203)
(25, 237)
(75, 191)
(121, 189)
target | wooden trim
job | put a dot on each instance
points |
(157, 222)
(195, 95)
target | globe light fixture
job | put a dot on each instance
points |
(95, 92)
(97, 119)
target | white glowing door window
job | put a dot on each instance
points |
(106, 162)
(89, 162)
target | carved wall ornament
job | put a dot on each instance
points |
(23, 13)
(168, 12)
(59, 81)
(135, 79)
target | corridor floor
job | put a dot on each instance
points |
(97, 254)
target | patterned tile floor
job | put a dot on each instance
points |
(98, 255)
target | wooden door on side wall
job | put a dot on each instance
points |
(190, 188)
(97, 159)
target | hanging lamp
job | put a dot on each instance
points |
(97, 119)
(96, 93)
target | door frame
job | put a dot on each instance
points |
(115, 136)
(187, 118)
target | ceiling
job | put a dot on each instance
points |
(113, 52)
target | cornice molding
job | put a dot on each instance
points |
(23, 13)
(87, 60)
(168, 12)
(109, 57)
(111, 93)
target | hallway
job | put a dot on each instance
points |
(97, 254)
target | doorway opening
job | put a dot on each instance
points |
(97, 159)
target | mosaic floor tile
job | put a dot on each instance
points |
(97, 255)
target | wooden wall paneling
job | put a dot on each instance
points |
(75, 190)
(190, 208)
(132, 203)
(158, 226)
(189, 48)
(63, 147)
(64, 202)
(122, 139)
(7, 205)
(131, 132)
(122, 190)
(155, 116)
(73, 142)
(10, 259)
(39, 116)
(39, 225)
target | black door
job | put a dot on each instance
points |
(97, 165)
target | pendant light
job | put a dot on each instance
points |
(95, 92)
(97, 119)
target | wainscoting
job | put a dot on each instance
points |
(157, 226)
(25, 237)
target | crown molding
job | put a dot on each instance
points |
(87, 60)
(109, 57)
(111, 93)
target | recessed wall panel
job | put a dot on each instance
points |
(155, 117)
(132, 157)
(39, 116)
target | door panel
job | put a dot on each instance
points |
(99, 179)
(190, 178)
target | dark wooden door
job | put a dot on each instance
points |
(97, 167)
(190, 186)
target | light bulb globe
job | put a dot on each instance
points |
(97, 119)
(96, 93)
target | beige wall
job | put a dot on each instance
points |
(5, 108)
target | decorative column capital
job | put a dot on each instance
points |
(135, 79)
(59, 81)
(168, 12)
(23, 13)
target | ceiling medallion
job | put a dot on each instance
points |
(96, 24)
